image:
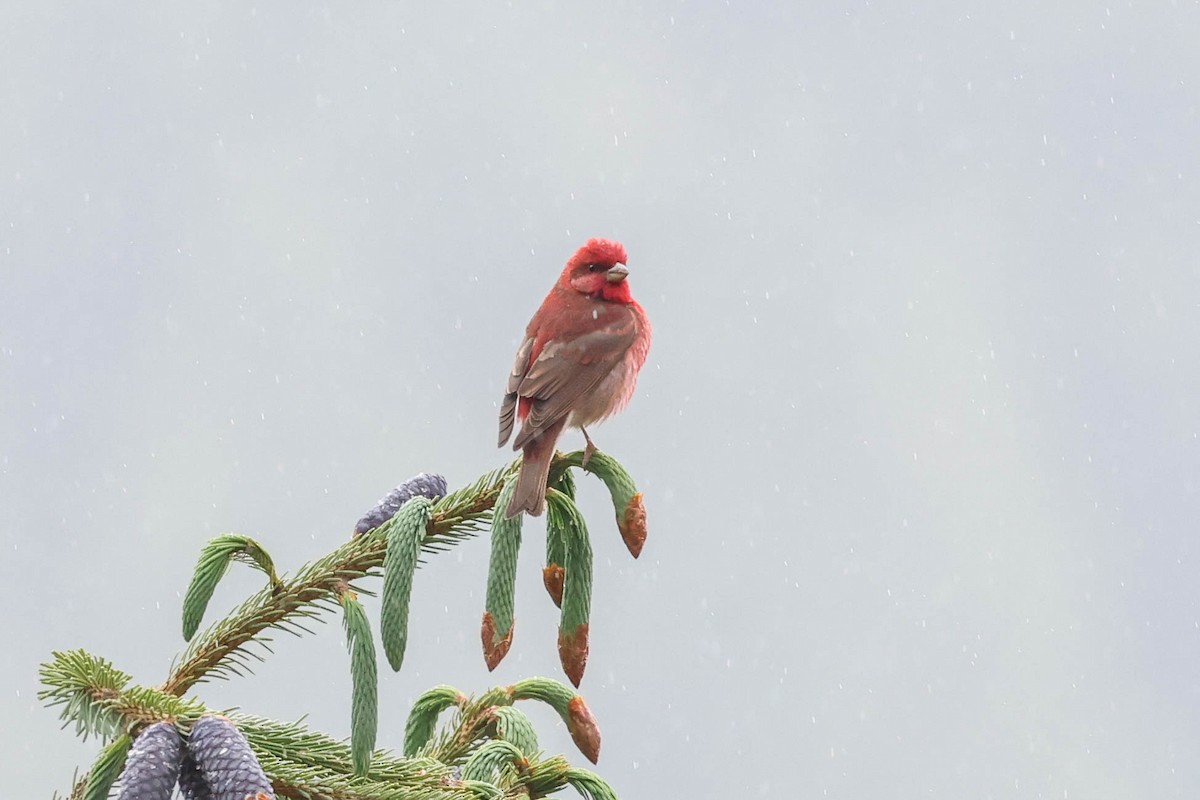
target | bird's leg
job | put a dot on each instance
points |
(589, 450)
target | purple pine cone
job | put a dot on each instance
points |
(191, 783)
(226, 761)
(423, 485)
(152, 766)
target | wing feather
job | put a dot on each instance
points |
(508, 408)
(565, 371)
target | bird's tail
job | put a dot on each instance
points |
(530, 494)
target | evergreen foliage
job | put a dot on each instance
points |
(488, 748)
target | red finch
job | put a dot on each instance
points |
(577, 365)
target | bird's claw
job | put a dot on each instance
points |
(588, 451)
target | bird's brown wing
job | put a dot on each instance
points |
(508, 408)
(565, 371)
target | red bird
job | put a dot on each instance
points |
(577, 365)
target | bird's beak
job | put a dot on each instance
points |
(617, 273)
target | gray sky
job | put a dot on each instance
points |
(917, 433)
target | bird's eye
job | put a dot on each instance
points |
(595, 267)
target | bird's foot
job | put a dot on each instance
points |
(589, 450)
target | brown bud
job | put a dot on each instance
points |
(552, 577)
(583, 729)
(494, 651)
(633, 525)
(573, 652)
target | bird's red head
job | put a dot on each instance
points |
(598, 269)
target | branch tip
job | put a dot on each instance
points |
(495, 648)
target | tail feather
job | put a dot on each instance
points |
(530, 493)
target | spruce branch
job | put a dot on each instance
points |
(496, 631)
(513, 726)
(99, 699)
(495, 762)
(400, 563)
(488, 749)
(224, 648)
(364, 707)
(107, 768)
(563, 517)
(477, 719)
(626, 499)
(214, 561)
(554, 574)
(422, 720)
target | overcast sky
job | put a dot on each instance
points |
(917, 432)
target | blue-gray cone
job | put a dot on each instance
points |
(432, 487)
(226, 761)
(152, 766)
(191, 783)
